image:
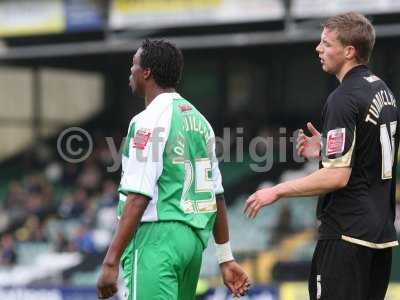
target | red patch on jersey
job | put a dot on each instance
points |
(185, 107)
(335, 141)
(141, 138)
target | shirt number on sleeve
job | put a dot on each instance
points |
(387, 146)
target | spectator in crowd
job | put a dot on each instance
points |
(8, 255)
(83, 241)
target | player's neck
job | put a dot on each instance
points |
(345, 69)
(152, 93)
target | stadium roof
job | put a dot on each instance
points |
(121, 44)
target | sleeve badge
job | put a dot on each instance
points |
(335, 141)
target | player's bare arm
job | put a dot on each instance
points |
(233, 275)
(320, 182)
(131, 216)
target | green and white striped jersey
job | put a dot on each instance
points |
(169, 156)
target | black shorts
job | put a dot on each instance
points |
(344, 271)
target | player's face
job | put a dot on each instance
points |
(331, 52)
(136, 80)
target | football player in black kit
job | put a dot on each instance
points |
(356, 179)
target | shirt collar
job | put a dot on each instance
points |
(162, 97)
(355, 70)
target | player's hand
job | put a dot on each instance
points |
(107, 282)
(258, 200)
(235, 279)
(309, 146)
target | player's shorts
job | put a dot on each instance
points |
(162, 262)
(344, 271)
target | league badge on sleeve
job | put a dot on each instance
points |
(141, 138)
(335, 141)
(185, 107)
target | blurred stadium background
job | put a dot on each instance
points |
(249, 64)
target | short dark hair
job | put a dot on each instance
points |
(355, 30)
(164, 60)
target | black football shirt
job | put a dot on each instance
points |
(361, 130)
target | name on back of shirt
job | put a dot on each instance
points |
(381, 99)
(193, 124)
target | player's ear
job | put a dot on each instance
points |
(146, 73)
(350, 52)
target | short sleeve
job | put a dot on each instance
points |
(339, 132)
(144, 164)
(216, 174)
